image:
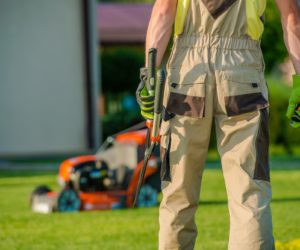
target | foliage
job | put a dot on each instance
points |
(120, 68)
(280, 130)
(121, 120)
(120, 77)
(272, 41)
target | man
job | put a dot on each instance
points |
(216, 72)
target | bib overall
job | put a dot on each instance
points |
(216, 73)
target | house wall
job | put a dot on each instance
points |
(48, 78)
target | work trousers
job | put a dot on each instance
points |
(221, 80)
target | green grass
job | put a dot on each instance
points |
(130, 229)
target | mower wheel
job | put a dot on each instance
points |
(68, 201)
(39, 190)
(147, 197)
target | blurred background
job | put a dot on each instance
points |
(68, 74)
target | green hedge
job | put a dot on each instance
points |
(120, 68)
(114, 123)
(280, 130)
(272, 41)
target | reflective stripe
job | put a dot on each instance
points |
(254, 10)
(182, 9)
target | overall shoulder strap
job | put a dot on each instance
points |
(182, 9)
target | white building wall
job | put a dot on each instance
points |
(43, 105)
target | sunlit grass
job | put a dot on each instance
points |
(20, 228)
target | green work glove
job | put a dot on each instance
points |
(293, 111)
(143, 97)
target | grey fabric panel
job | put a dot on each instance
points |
(262, 169)
(217, 7)
(240, 104)
(180, 104)
(165, 115)
(165, 173)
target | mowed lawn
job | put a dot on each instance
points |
(130, 229)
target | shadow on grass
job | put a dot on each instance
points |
(276, 163)
(275, 200)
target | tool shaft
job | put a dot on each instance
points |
(158, 101)
(151, 79)
(153, 127)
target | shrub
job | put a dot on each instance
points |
(272, 41)
(120, 69)
(280, 130)
(116, 122)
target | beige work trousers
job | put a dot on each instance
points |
(220, 79)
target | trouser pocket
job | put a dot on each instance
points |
(244, 91)
(186, 93)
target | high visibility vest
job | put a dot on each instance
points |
(254, 12)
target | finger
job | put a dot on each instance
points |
(147, 106)
(147, 115)
(147, 101)
(295, 124)
(290, 111)
(143, 102)
(147, 109)
(140, 87)
(147, 98)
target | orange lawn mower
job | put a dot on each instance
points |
(124, 172)
(106, 180)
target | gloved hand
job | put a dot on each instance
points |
(293, 111)
(143, 97)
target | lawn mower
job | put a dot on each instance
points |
(124, 172)
(106, 180)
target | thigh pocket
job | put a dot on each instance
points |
(165, 146)
(187, 95)
(243, 91)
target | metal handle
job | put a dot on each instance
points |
(158, 103)
(153, 127)
(151, 70)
